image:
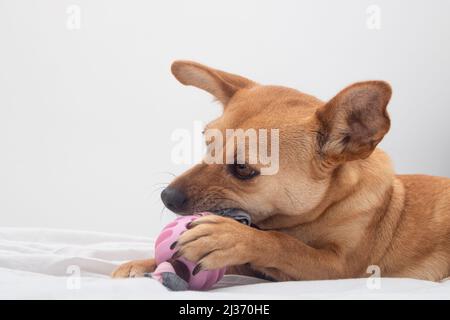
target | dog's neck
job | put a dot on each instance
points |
(357, 187)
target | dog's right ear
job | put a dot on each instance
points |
(354, 121)
(222, 85)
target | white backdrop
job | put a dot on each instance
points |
(88, 104)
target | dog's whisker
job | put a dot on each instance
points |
(161, 214)
(156, 190)
(159, 188)
(166, 172)
(164, 184)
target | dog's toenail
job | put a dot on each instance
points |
(176, 255)
(197, 269)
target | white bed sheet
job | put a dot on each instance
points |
(44, 264)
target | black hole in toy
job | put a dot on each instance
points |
(181, 269)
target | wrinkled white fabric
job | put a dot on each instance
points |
(66, 264)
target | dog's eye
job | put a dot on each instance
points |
(243, 171)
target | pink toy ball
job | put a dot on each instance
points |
(177, 274)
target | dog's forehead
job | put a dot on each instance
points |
(266, 107)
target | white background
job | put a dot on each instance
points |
(86, 116)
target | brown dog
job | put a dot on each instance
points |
(334, 208)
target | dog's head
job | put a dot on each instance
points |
(314, 139)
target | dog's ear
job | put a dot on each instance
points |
(354, 121)
(220, 84)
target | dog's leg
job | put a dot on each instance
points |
(215, 242)
(135, 268)
(286, 258)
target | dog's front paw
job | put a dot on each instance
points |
(135, 268)
(215, 242)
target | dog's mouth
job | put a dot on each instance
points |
(237, 214)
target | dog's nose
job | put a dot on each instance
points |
(173, 199)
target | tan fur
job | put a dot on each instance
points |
(334, 208)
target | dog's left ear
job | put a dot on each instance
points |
(354, 121)
(220, 84)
